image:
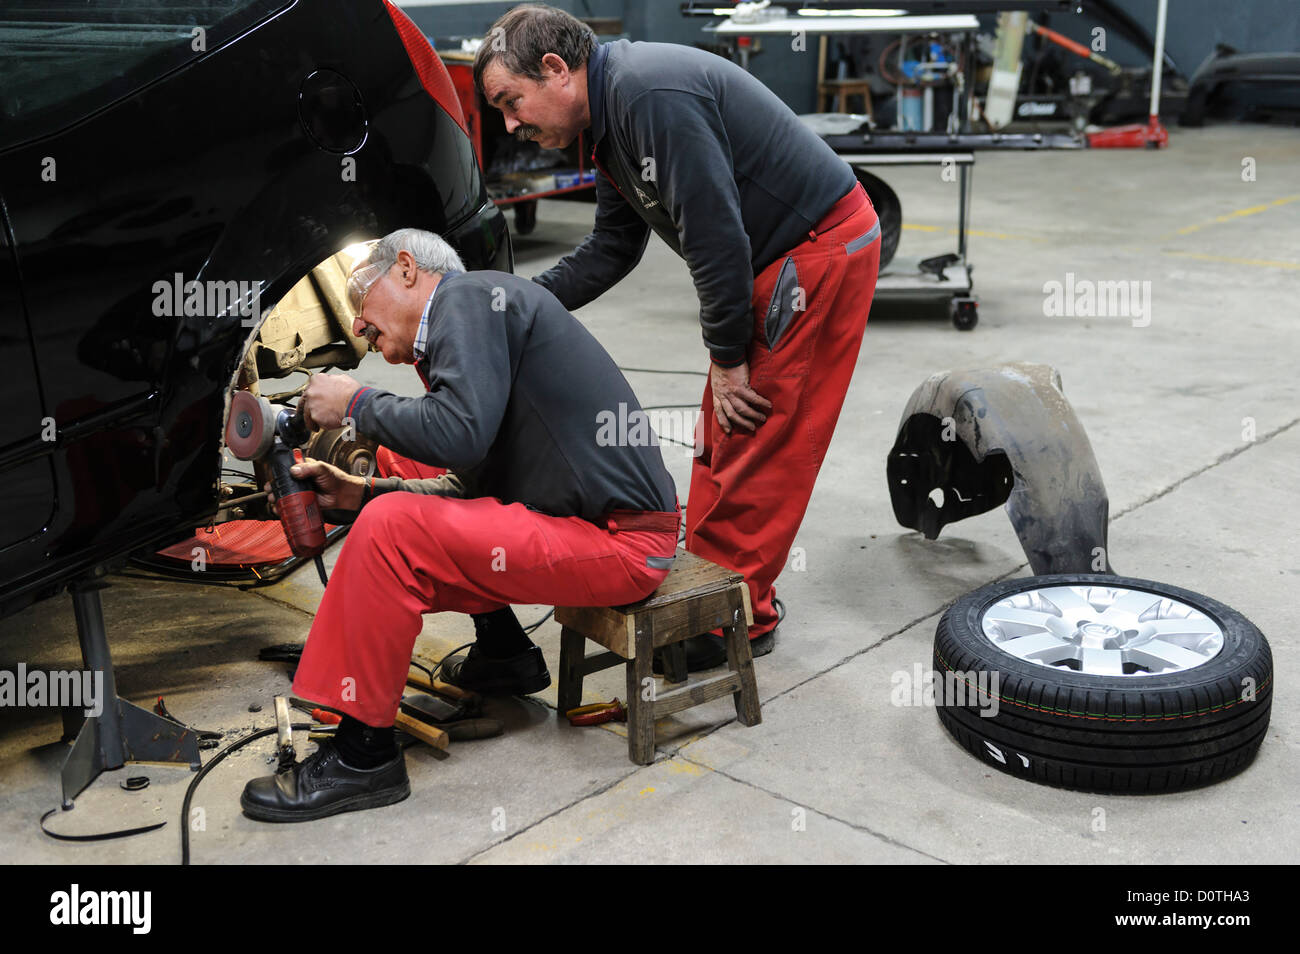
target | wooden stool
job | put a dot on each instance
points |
(696, 597)
(843, 89)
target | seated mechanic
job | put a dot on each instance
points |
(535, 509)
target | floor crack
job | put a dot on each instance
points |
(1221, 459)
(783, 798)
(282, 603)
(582, 798)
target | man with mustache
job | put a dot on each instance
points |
(540, 506)
(781, 242)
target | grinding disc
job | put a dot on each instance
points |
(250, 431)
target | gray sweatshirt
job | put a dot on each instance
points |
(523, 404)
(695, 148)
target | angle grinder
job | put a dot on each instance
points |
(257, 432)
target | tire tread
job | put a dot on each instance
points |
(1137, 737)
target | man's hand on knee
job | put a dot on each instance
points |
(734, 401)
(335, 489)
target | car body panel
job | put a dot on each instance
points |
(25, 471)
(972, 439)
(214, 173)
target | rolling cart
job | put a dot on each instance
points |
(942, 276)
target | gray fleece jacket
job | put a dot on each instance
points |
(704, 154)
(523, 404)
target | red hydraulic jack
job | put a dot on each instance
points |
(1151, 134)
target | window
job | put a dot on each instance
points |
(63, 59)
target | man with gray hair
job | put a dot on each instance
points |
(781, 243)
(537, 507)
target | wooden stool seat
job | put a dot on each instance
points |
(696, 597)
(843, 89)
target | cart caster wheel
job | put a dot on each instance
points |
(965, 313)
(525, 217)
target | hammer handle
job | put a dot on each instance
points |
(426, 733)
(422, 681)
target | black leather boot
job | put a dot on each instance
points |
(515, 676)
(322, 785)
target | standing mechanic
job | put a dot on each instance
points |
(781, 243)
(540, 509)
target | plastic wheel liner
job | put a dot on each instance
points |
(970, 440)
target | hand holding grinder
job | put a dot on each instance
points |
(257, 432)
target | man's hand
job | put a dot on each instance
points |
(734, 402)
(335, 489)
(325, 400)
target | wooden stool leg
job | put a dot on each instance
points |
(740, 660)
(821, 73)
(641, 711)
(573, 650)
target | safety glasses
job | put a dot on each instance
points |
(360, 282)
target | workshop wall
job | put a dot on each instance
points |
(791, 75)
(1194, 27)
(446, 20)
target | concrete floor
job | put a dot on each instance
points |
(1193, 504)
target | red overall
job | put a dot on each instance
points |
(409, 554)
(749, 491)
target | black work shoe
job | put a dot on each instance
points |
(764, 644)
(514, 676)
(322, 785)
(702, 652)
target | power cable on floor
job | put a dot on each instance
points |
(99, 836)
(215, 760)
(532, 627)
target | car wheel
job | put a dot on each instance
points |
(964, 313)
(888, 210)
(1103, 683)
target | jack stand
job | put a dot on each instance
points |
(122, 732)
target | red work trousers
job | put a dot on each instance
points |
(749, 491)
(410, 554)
(389, 463)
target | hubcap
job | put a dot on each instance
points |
(1102, 630)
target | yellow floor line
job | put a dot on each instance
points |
(1227, 259)
(1239, 214)
(975, 232)
(1258, 262)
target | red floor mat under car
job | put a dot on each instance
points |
(236, 543)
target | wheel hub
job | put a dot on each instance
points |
(1103, 631)
(1101, 636)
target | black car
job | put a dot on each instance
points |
(178, 182)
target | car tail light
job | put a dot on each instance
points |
(433, 75)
